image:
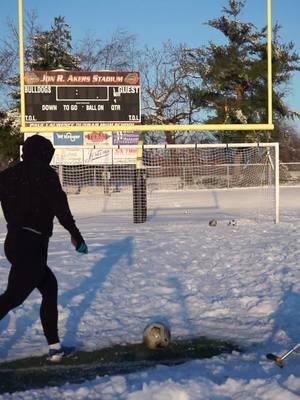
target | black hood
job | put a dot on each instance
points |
(37, 148)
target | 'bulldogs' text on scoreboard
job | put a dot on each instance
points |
(81, 98)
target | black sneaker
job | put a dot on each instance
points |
(57, 355)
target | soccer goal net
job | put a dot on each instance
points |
(204, 181)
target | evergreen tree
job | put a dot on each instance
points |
(10, 138)
(53, 49)
(233, 76)
(46, 50)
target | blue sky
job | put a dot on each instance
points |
(155, 21)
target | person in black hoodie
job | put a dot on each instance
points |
(31, 196)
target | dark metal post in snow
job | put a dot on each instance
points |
(139, 189)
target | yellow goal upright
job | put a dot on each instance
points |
(90, 92)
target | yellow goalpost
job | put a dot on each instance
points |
(127, 127)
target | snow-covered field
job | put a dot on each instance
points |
(231, 282)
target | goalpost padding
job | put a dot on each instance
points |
(139, 192)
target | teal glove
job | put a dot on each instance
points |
(82, 248)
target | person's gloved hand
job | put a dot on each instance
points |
(82, 248)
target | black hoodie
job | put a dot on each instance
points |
(31, 194)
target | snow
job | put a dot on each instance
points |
(230, 282)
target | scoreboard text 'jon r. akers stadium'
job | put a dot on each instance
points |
(79, 98)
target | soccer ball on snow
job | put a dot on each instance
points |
(232, 222)
(156, 336)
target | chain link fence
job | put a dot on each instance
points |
(289, 174)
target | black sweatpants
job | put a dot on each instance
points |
(27, 252)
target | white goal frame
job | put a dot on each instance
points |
(274, 163)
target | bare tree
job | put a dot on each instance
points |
(165, 93)
(9, 51)
(117, 53)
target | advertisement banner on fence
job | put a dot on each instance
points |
(68, 138)
(124, 155)
(97, 156)
(69, 156)
(47, 135)
(95, 139)
(125, 138)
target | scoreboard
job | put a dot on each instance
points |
(77, 98)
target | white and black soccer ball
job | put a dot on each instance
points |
(156, 336)
(212, 222)
(232, 222)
